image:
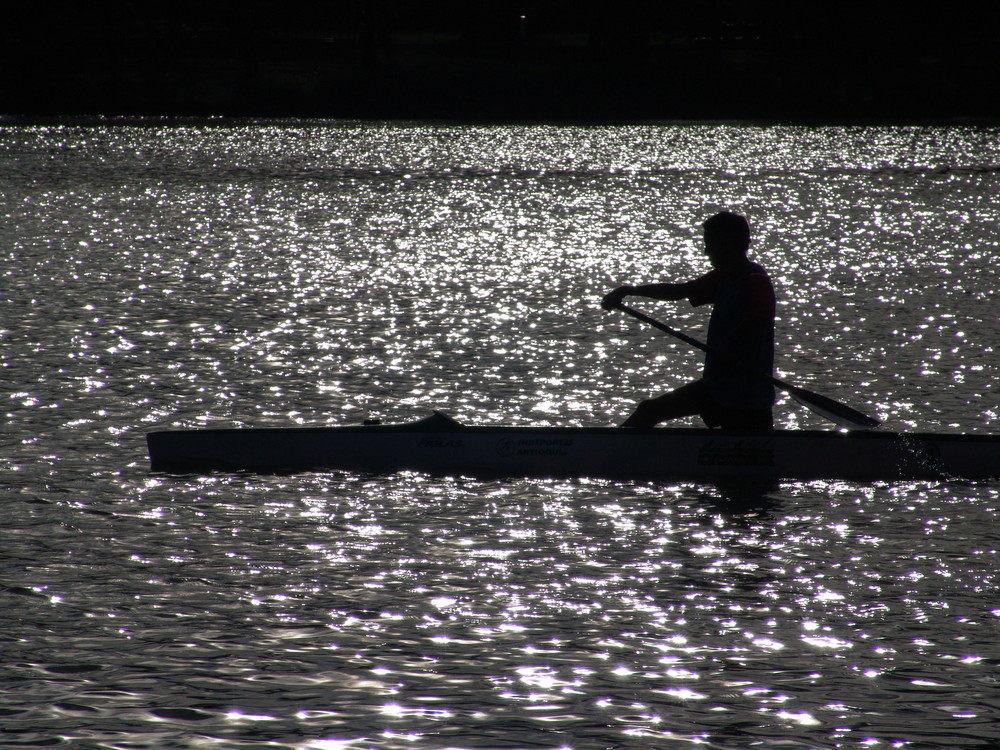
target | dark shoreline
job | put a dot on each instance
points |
(498, 63)
(234, 121)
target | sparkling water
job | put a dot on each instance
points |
(160, 275)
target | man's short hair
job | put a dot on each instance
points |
(733, 229)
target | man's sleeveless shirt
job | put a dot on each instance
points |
(745, 292)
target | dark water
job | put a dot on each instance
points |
(159, 275)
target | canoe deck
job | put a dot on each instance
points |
(441, 445)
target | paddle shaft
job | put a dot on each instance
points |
(664, 327)
(835, 411)
(695, 342)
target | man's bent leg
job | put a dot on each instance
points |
(686, 401)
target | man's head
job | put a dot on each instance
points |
(727, 237)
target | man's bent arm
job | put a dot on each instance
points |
(662, 291)
(652, 291)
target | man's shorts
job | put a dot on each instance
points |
(713, 415)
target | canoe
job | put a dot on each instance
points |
(439, 444)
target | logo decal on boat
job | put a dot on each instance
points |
(534, 447)
(735, 453)
(440, 443)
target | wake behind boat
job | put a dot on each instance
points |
(439, 444)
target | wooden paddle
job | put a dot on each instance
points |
(836, 412)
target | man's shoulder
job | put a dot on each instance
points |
(712, 277)
(702, 290)
(756, 276)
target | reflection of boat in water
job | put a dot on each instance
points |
(441, 445)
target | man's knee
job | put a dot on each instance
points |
(652, 411)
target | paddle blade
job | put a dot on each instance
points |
(835, 411)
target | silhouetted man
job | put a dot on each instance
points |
(740, 336)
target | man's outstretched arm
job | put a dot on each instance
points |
(653, 291)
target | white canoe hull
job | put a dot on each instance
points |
(439, 445)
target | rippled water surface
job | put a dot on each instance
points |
(159, 275)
